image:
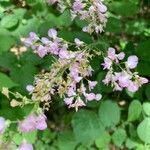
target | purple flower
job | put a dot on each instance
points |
(63, 53)
(31, 39)
(121, 56)
(92, 84)
(78, 5)
(25, 146)
(45, 40)
(68, 101)
(30, 88)
(78, 42)
(52, 33)
(54, 48)
(98, 97)
(123, 79)
(132, 62)
(41, 122)
(28, 124)
(41, 51)
(102, 8)
(133, 87)
(107, 63)
(2, 125)
(90, 96)
(33, 122)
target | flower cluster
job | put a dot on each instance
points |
(91, 11)
(67, 75)
(33, 122)
(123, 77)
(94, 12)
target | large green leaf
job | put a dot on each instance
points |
(86, 126)
(109, 113)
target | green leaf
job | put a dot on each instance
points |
(113, 25)
(143, 130)
(147, 91)
(146, 108)
(9, 21)
(65, 18)
(124, 8)
(6, 40)
(86, 126)
(109, 113)
(17, 138)
(143, 50)
(130, 144)
(134, 111)
(119, 136)
(66, 140)
(103, 140)
(30, 137)
(5, 81)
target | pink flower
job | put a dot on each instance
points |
(28, 124)
(2, 125)
(71, 91)
(41, 122)
(132, 62)
(33, 122)
(68, 101)
(90, 96)
(78, 103)
(107, 63)
(123, 79)
(92, 84)
(113, 56)
(111, 53)
(52, 33)
(143, 80)
(25, 146)
(133, 87)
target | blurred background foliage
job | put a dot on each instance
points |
(120, 120)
